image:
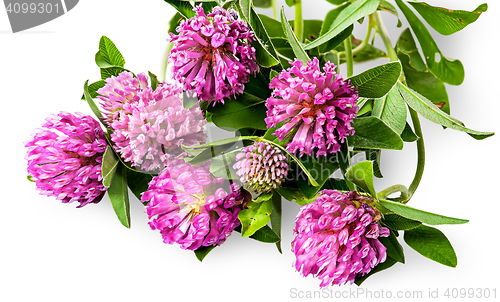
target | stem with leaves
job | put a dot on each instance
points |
(348, 56)
(420, 153)
(276, 11)
(299, 23)
(394, 189)
(365, 42)
(382, 31)
(414, 115)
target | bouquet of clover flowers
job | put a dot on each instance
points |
(296, 121)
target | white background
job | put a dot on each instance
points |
(51, 251)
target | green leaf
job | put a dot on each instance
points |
(216, 151)
(380, 267)
(388, 7)
(290, 2)
(336, 184)
(118, 195)
(30, 178)
(418, 77)
(365, 105)
(112, 71)
(262, 3)
(320, 168)
(259, 86)
(374, 155)
(330, 17)
(109, 164)
(407, 46)
(263, 197)
(394, 249)
(266, 235)
(207, 5)
(311, 29)
(273, 74)
(255, 217)
(138, 182)
(272, 26)
(203, 251)
(221, 142)
(284, 51)
(265, 53)
(92, 89)
(297, 161)
(91, 103)
(408, 135)
(154, 80)
(246, 111)
(447, 21)
(419, 215)
(361, 174)
(431, 243)
(276, 219)
(299, 51)
(378, 81)
(428, 110)
(183, 7)
(227, 4)
(447, 70)
(399, 223)
(337, 2)
(373, 133)
(294, 194)
(188, 101)
(174, 23)
(109, 55)
(391, 109)
(354, 12)
(222, 166)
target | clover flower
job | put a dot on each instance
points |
(119, 92)
(64, 158)
(150, 129)
(212, 54)
(261, 167)
(190, 207)
(315, 107)
(337, 237)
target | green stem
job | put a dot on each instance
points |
(382, 31)
(420, 153)
(276, 12)
(276, 217)
(363, 44)
(394, 189)
(163, 69)
(414, 115)
(348, 56)
(298, 20)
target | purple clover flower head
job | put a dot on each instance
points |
(261, 167)
(150, 129)
(64, 158)
(212, 55)
(190, 207)
(119, 92)
(316, 107)
(336, 237)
